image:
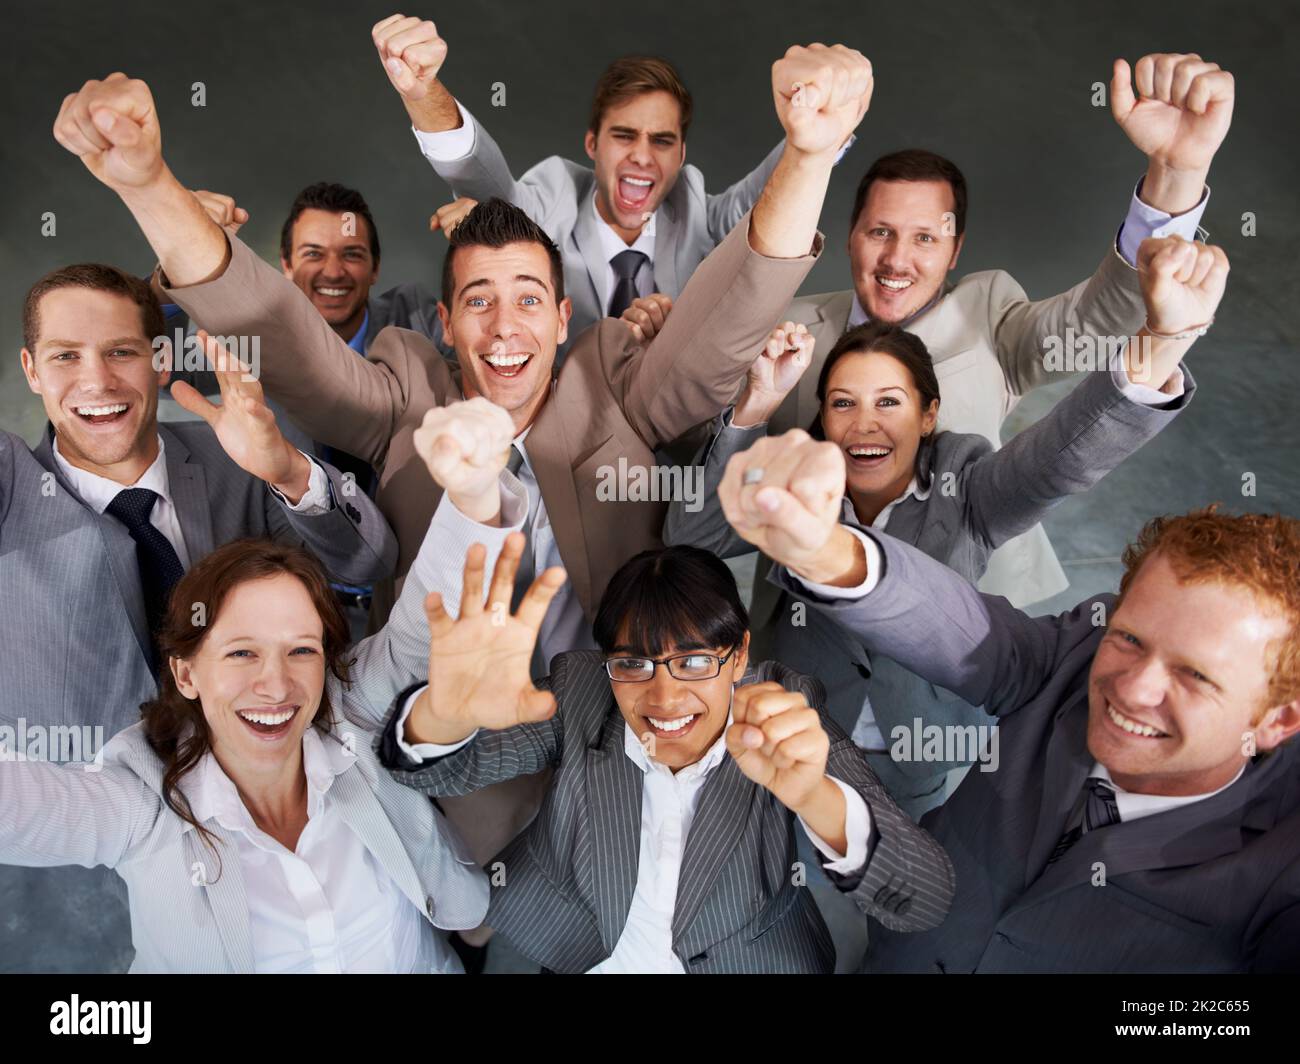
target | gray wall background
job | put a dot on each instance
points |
(295, 94)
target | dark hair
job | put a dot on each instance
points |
(673, 595)
(101, 278)
(914, 164)
(175, 725)
(907, 347)
(337, 199)
(636, 75)
(494, 223)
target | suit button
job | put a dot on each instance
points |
(902, 907)
(863, 671)
(428, 906)
(353, 513)
(1002, 937)
(699, 958)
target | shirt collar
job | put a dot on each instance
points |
(713, 756)
(358, 341)
(882, 518)
(97, 492)
(858, 313)
(1134, 806)
(612, 244)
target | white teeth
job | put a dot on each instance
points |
(506, 360)
(332, 291)
(891, 283)
(868, 452)
(271, 719)
(1132, 726)
(641, 181)
(99, 411)
(672, 725)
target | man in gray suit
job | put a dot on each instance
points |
(990, 342)
(102, 518)
(1144, 815)
(640, 222)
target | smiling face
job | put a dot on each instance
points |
(259, 674)
(1180, 680)
(332, 264)
(638, 152)
(93, 368)
(678, 720)
(873, 412)
(902, 247)
(505, 325)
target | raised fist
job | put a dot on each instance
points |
(113, 127)
(778, 741)
(412, 53)
(646, 316)
(466, 445)
(821, 94)
(450, 215)
(1182, 282)
(1181, 112)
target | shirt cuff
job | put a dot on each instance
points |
(448, 145)
(875, 563)
(319, 498)
(844, 148)
(422, 751)
(857, 830)
(728, 416)
(1145, 394)
(1144, 220)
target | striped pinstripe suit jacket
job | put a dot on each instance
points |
(567, 881)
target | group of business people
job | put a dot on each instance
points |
(561, 727)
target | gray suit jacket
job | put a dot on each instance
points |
(557, 193)
(987, 341)
(1213, 886)
(979, 498)
(190, 904)
(570, 877)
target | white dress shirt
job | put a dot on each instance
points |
(612, 245)
(98, 492)
(1142, 221)
(329, 906)
(1134, 806)
(565, 626)
(669, 802)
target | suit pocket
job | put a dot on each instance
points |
(956, 363)
(1156, 911)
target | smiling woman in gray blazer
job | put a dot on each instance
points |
(949, 494)
(246, 811)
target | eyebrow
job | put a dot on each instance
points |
(659, 133)
(118, 341)
(682, 648)
(482, 282)
(886, 388)
(880, 224)
(358, 246)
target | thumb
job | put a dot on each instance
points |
(535, 706)
(192, 400)
(121, 132)
(781, 510)
(1122, 100)
(400, 74)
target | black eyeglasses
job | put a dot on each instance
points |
(690, 666)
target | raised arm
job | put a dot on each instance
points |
(898, 601)
(727, 207)
(692, 368)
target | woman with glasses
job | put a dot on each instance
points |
(667, 840)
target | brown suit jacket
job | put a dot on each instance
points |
(612, 398)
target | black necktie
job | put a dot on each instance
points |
(626, 264)
(160, 568)
(1100, 810)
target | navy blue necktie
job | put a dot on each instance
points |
(160, 568)
(626, 265)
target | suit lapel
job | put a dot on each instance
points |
(725, 803)
(224, 887)
(586, 235)
(832, 320)
(549, 455)
(667, 246)
(119, 549)
(614, 790)
(1068, 763)
(187, 482)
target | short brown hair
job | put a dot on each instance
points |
(635, 75)
(494, 223)
(97, 276)
(1260, 552)
(914, 164)
(175, 725)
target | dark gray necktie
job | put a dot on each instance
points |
(1100, 810)
(527, 563)
(626, 265)
(160, 567)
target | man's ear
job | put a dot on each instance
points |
(444, 316)
(589, 143)
(29, 371)
(566, 312)
(286, 268)
(163, 360)
(956, 251)
(1277, 726)
(183, 674)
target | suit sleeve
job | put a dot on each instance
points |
(352, 539)
(1109, 303)
(1085, 436)
(693, 366)
(65, 815)
(908, 881)
(933, 623)
(707, 527)
(484, 173)
(726, 208)
(332, 393)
